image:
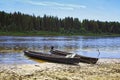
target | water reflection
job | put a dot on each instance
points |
(109, 46)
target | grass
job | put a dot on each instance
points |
(27, 33)
(48, 33)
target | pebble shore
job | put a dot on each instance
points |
(104, 69)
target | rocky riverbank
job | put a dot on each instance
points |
(105, 69)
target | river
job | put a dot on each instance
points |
(12, 47)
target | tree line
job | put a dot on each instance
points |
(23, 22)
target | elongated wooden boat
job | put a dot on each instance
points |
(83, 59)
(52, 57)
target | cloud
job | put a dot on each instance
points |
(37, 3)
(56, 5)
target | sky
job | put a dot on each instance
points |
(103, 10)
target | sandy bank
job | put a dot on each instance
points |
(105, 69)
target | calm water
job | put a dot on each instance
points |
(11, 48)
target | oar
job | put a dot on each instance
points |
(99, 52)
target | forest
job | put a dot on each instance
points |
(19, 22)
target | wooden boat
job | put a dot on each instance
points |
(52, 57)
(83, 59)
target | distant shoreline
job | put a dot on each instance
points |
(48, 33)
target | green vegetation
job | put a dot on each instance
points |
(23, 24)
(31, 33)
(48, 33)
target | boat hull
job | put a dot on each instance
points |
(52, 57)
(83, 59)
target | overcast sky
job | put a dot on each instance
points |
(103, 10)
